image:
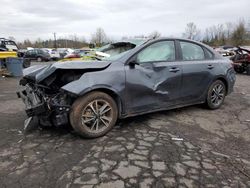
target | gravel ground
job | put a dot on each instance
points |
(187, 147)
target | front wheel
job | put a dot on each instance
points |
(216, 94)
(26, 63)
(94, 114)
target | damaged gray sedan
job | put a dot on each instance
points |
(158, 75)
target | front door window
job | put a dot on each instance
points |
(157, 52)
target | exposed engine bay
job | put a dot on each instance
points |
(46, 100)
(44, 97)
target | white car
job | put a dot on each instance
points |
(54, 54)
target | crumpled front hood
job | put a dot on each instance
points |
(40, 72)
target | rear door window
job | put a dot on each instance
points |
(191, 51)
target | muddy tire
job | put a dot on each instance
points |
(94, 114)
(216, 95)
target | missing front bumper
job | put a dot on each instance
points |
(50, 112)
(34, 106)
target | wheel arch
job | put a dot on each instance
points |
(111, 93)
(221, 78)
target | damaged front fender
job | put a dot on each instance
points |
(95, 80)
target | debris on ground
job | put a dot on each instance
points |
(177, 139)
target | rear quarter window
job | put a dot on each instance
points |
(208, 53)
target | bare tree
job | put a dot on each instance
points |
(99, 37)
(220, 34)
(229, 29)
(239, 33)
(216, 35)
(154, 34)
(207, 36)
(191, 31)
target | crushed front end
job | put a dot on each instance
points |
(50, 108)
(43, 94)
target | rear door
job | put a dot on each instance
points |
(156, 81)
(198, 70)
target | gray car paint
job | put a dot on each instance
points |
(45, 71)
(148, 87)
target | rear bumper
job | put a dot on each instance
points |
(231, 78)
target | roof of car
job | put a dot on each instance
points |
(183, 39)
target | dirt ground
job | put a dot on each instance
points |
(187, 147)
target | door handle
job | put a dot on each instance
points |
(210, 66)
(174, 69)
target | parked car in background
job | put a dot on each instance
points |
(64, 51)
(37, 54)
(8, 48)
(21, 52)
(77, 53)
(241, 60)
(54, 55)
(159, 74)
(226, 51)
(8, 45)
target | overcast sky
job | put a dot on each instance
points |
(40, 18)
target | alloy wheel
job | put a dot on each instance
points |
(218, 94)
(97, 115)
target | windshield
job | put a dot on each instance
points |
(116, 50)
(115, 57)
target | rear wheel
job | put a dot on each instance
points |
(239, 69)
(39, 59)
(216, 94)
(94, 114)
(248, 69)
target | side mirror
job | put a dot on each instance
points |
(133, 62)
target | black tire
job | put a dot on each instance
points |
(239, 69)
(39, 59)
(26, 63)
(213, 93)
(81, 109)
(248, 69)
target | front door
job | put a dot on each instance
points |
(156, 81)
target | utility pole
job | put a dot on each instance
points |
(66, 42)
(55, 45)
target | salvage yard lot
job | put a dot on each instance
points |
(189, 147)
